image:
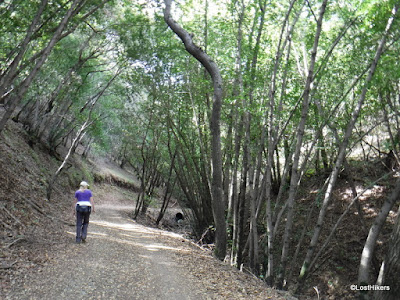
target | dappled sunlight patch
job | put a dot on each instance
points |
(371, 212)
(135, 236)
(125, 226)
(136, 228)
(172, 234)
(110, 206)
(167, 263)
(375, 191)
(137, 244)
(116, 240)
(131, 234)
(115, 217)
(392, 216)
(370, 199)
(97, 233)
(156, 247)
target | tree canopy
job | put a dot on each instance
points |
(306, 87)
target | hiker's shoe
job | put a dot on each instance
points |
(83, 240)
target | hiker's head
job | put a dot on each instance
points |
(84, 185)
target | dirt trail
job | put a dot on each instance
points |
(125, 260)
(121, 260)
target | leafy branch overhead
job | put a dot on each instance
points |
(216, 155)
(268, 127)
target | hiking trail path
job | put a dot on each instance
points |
(125, 260)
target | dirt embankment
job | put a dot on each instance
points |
(122, 259)
(31, 226)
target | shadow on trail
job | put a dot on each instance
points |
(130, 233)
(120, 260)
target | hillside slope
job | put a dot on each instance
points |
(125, 260)
(31, 226)
(36, 232)
(122, 257)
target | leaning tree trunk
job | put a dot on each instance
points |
(70, 151)
(299, 143)
(370, 244)
(391, 267)
(169, 188)
(218, 205)
(273, 139)
(234, 203)
(13, 102)
(12, 98)
(341, 156)
(7, 75)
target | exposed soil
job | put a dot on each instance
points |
(127, 260)
(121, 259)
(337, 268)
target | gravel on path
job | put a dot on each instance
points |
(120, 260)
(125, 260)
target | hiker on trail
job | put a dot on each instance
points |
(82, 207)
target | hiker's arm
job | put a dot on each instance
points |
(91, 202)
(73, 206)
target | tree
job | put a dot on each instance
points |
(391, 261)
(342, 152)
(304, 87)
(216, 184)
(391, 266)
(12, 86)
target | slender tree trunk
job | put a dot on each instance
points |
(391, 266)
(240, 241)
(216, 156)
(169, 188)
(299, 141)
(8, 75)
(238, 123)
(228, 168)
(364, 276)
(360, 212)
(13, 98)
(75, 141)
(235, 193)
(341, 156)
(252, 175)
(87, 148)
(23, 87)
(338, 222)
(46, 113)
(244, 178)
(273, 139)
(253, 232)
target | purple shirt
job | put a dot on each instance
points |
(83, 195)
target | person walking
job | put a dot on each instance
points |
(83, 205)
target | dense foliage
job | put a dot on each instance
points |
(308, 86)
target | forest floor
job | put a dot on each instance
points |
(122, 259)
(125, 260)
